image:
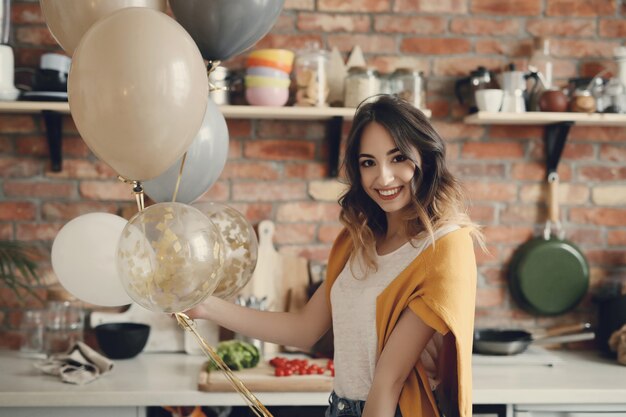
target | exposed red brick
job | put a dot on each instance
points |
(599, 173)
(285, 23)
(613, 28)
(582, 48)
(534, 171)
(613, 153)
(250, 170)
(507, 7)
(606, 257)
(313, 252)
(578, 151)
(493, 150)
(83, 169)
(461, 66)
(429, 6)
(598, 216)
(293, 42)
(368, 43)
(19, 167)
(279, 149)
(294, 233)
(516, 214)
(438, 108)
(616, 238)
(490, 297)
(6, 233)
(34, 35)
(16, 123)
(511, 48)
(106, 190)
(587, 8)
(478, 169)
(482, 213)
(290, 129)
(507, 234)
(39, 189)
(62, 211)
(435, 46)
(354, 5)
(561, 27)
(308, 212)
(306, 170)
(33, 231)
(26, 13)
(451, 131)
(585, 236)
(597, 134)
(269, 191)
(328, 232)
(484, 26)
(490, 191)
(17, 210)
(220, 191)
(238, 128)
(254, 212)
(299, 5)
(427, 25)
(333, 22)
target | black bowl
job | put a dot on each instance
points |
(122, 340)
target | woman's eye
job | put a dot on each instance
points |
(367, 163)
(399, 158)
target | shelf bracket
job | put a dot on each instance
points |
(334, 128)
(54, 133)
(555, 136)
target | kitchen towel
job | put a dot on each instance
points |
(617, 343)
(79, 366)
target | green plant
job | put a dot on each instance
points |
(18, 268)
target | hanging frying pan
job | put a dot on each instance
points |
(549, 275)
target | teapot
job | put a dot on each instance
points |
(465, 88)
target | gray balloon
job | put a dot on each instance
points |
(224, 28)
(204, 163)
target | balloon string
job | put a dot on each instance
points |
(255, 405)
(180, 174)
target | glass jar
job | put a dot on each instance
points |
(311, 76)
(32, 329)
(361, 84)
(409, 85)
(64, 326)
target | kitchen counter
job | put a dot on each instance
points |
(171, 379)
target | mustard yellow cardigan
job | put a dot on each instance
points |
(440, 287)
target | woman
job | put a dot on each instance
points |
(401, 277)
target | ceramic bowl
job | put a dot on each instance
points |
(122, 340)
(284, 56)
(267, 72)
(267, 96)
(262, 62)
(258, 81)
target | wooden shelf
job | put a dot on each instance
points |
(232, 112)
(545, 118)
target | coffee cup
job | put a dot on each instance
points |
(489, 100)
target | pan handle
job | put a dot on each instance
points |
(578, 337)
(553, 208)
(568, 328)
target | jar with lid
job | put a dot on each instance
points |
(361, 84)
(409, 85)
(311, 75)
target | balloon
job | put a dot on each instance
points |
(83, 259)
(204, 163)
(224, 28)
(68, 20)
(138, 90)
(169, 257)
(240, 247)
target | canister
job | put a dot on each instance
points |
(361, 84)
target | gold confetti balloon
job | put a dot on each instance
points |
(169, 257)
(240, 247)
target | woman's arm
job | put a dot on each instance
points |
(398, 358)
(301, 329)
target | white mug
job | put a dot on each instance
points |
(489, 99)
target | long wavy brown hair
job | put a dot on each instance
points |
(437, 196)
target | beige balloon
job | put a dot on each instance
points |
(68, 20)
(138, 91)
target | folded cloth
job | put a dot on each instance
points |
(80, 365)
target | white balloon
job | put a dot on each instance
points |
(84, 259)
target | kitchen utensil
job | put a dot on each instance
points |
(465, 88)
(122, 340)
(267, 96)
(489, 99)
(553, 101)
(512, 342)
(8, 92)
(517, 95)
(549, 275)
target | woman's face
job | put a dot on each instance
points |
(386, 173)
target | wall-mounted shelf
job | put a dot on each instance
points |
(545, 118)
(53, 111)
(556, 127)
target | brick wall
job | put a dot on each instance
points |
(501, 166)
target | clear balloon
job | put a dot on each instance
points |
(169, 257)
(225, 28)
(240, 247)
(83, 259)
(138, 91)
(68, 20)
(204, 162)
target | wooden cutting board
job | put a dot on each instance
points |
(262, 379)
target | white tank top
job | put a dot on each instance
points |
(353, 303)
